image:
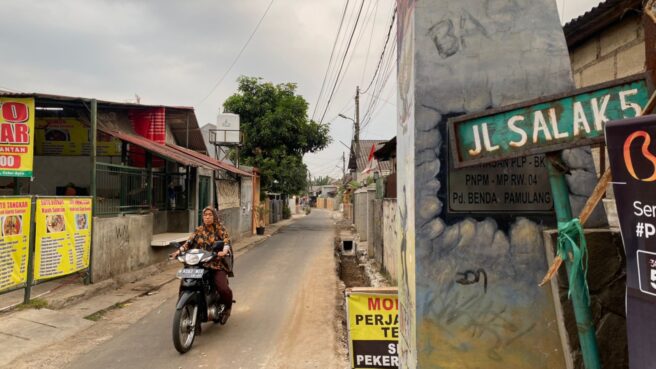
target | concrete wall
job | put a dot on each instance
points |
(231, 219)
(360, 213)
(120, 245)
(607, 282)
(246, 194)
(457, 57)
(376, 225)
(173, 221)
(617, 51)
(390, 240)
(371, 196)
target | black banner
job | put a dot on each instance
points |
(375, 354)
(632, 156)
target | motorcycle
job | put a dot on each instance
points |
(198, 300)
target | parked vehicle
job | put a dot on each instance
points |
(198, 300)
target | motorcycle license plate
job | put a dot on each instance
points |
(190, 273)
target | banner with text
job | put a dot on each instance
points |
(16, 137)
(373, 327)
(632, 157)
(15, 241)
(70, 137)
(63, 236)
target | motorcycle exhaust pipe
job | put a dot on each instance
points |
(214, 312)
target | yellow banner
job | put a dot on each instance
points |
(373, 323)
(70, 137)
(15, 241)
(16, 137)
(63, 236)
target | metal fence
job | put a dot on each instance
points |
(122, 189)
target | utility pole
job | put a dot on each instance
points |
(357, 122)
(343, 166)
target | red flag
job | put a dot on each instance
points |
(371, 153)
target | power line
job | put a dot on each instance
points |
(382, 54)
(339, 72)
(339, 30)
(371, 37)
(240, 52)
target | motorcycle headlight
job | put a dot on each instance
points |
(192, 259)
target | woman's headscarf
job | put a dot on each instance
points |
(215, 214)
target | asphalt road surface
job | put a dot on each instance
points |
(285, 292)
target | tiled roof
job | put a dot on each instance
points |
(597, 18)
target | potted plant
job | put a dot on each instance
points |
(262, 212)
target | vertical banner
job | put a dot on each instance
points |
(373, 327)
(632, 156)
(16, 137)
(63, 236)
(14, 241)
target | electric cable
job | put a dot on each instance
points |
(239, 54)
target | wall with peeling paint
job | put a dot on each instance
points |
(468, 286)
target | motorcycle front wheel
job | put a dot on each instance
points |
(184, 327)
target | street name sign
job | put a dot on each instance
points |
(547, 124)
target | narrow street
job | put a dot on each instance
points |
(284, 316)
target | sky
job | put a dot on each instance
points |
(176, 52)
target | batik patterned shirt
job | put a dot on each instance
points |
(204, 237)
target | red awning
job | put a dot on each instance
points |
(177, 153)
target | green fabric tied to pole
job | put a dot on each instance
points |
(571, 241)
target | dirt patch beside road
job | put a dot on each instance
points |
(350, 274)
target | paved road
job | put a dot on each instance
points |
(266, 286)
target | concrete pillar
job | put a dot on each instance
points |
(468, 284)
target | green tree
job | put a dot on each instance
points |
(322, 181)
(277, 132)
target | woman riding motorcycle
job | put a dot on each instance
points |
(203, 238)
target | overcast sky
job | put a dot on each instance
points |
(174, 53)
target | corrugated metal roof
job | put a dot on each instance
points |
(180, 119)
(362, 158)
(212, 161)
(597, 18)
(177, 153)
(159, 149)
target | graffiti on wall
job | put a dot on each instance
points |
(467, 288)
(405, 186)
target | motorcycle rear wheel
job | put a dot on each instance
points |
(184, 332)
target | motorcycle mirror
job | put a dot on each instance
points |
(218, 246)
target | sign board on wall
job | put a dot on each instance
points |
(16, 137)
(63, 236)
(15, 225)
(70, 137)
(632, 156)
(373, 327)
(545, 125)
(519, 185)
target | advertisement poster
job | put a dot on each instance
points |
(63, 236)
(16, 137)
(632, 156)
(373, 327)
(14, 241)
(70, 137)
